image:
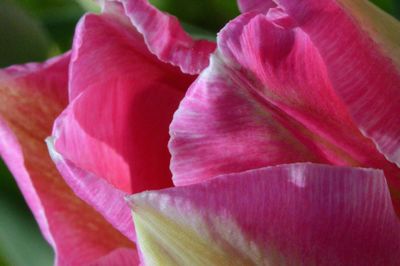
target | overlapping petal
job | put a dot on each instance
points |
(32, 96)
(97, 192)
(120, 257)
(166, 38)
(116, 125)
(299, 214)
(360, 46)
(266, 99)
(356, 33)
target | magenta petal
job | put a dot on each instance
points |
(166, 38)
(360, 47)
(112, 138)
(97, 192)
(118, 257)
(117, 127)
(266, 99)
(255, 5)
(299, 214)
(223, 126)
(31, 96)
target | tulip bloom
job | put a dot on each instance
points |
(284, 149)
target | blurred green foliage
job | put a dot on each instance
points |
(390, 6)
(58, 18)
(17, 30)
(209, 15)
(32, 30)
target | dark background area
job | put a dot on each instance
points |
(33, 30)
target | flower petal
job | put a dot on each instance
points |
(255, 5)
(31, 96)
(116, 127)
(299, 214)
(360, 46)
(166, 38)
(265, 99)
(120, 257)
(97, 192)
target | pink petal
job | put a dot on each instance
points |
(221, 125)
(31, 96)
(83, 50)
(255, 5)
(97, 192)
(166, 38)
(360, 47)
(299, 214)
(265, 99)
(113, 135)
(118, 257)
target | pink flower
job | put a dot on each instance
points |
(117, 91)
(284, 149)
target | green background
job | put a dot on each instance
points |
(33, 30)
